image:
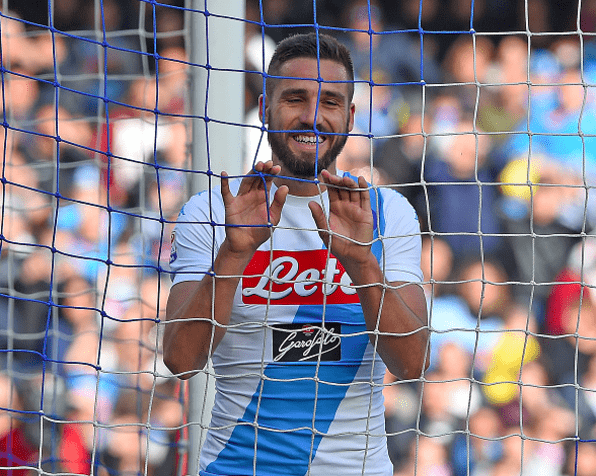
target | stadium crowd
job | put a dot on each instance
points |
(491, 138)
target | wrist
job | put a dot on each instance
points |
(231, 261)
(364, 271)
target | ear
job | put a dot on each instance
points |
(352, 112)
(263, 109)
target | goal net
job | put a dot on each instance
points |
(481, 113)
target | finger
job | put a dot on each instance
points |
(334, 186)
(320, 221)
(270, 170)
(365, 195)
(257, 176)
(265, 173)
(254, 180)
(279, 199)
(225, 188)
(353, 190)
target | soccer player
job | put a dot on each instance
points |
(297, 300)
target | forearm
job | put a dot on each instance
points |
(396, 319)
(197, 314)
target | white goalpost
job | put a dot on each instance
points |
(217, 145)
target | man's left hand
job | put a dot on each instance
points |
(348, 232)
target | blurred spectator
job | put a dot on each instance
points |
(61, 138)
(402, 407)
(514, 455)
(564, 133)
(173, 71)
(366, 26)
(136, 336)
(571, 315)
(33, 314)
(283, 16)
(16, 47)
(471, 312)
(87, 61)
(570, 301)
(16, 450)
(539, 242)
(437, 266)
(67, 15)
(22, 91)
(169, 27)
(583, 400)
(383, 56)
(515, 347)
(118, 284)
(428, 457)
(93, 230)
(462, 199)
(449, 395)
(125, 442)
(577, 278)
(128, 439)
(548, 457)
(477, 454)
(507, 77)
(45, 404)
(467, 66)
(581, 458)
(133, 141)
(538, 396)
(543, 424)
(401, 157)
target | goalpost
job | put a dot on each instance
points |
(217, 93)
(115, 112)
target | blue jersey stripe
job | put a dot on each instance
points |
(280, 414)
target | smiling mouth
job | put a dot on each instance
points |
(309, 140)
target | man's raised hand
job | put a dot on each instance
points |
(249, 216)
(348, 231)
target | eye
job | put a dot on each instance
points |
(331, 102)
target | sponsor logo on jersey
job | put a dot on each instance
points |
(312, 277)
(307, 342)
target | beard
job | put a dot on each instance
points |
(305, 164)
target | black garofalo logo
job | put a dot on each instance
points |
(306, 342)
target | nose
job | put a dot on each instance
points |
(311, 113)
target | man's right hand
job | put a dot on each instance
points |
(249, 216)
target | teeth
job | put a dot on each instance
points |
(309, 139)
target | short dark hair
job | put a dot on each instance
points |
(310, 45)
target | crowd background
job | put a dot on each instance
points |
(491, 137)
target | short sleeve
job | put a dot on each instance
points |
(401, 238)
(197, 236)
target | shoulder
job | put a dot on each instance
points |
(206, 202)
(395, 206)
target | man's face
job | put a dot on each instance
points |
(296, 109)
